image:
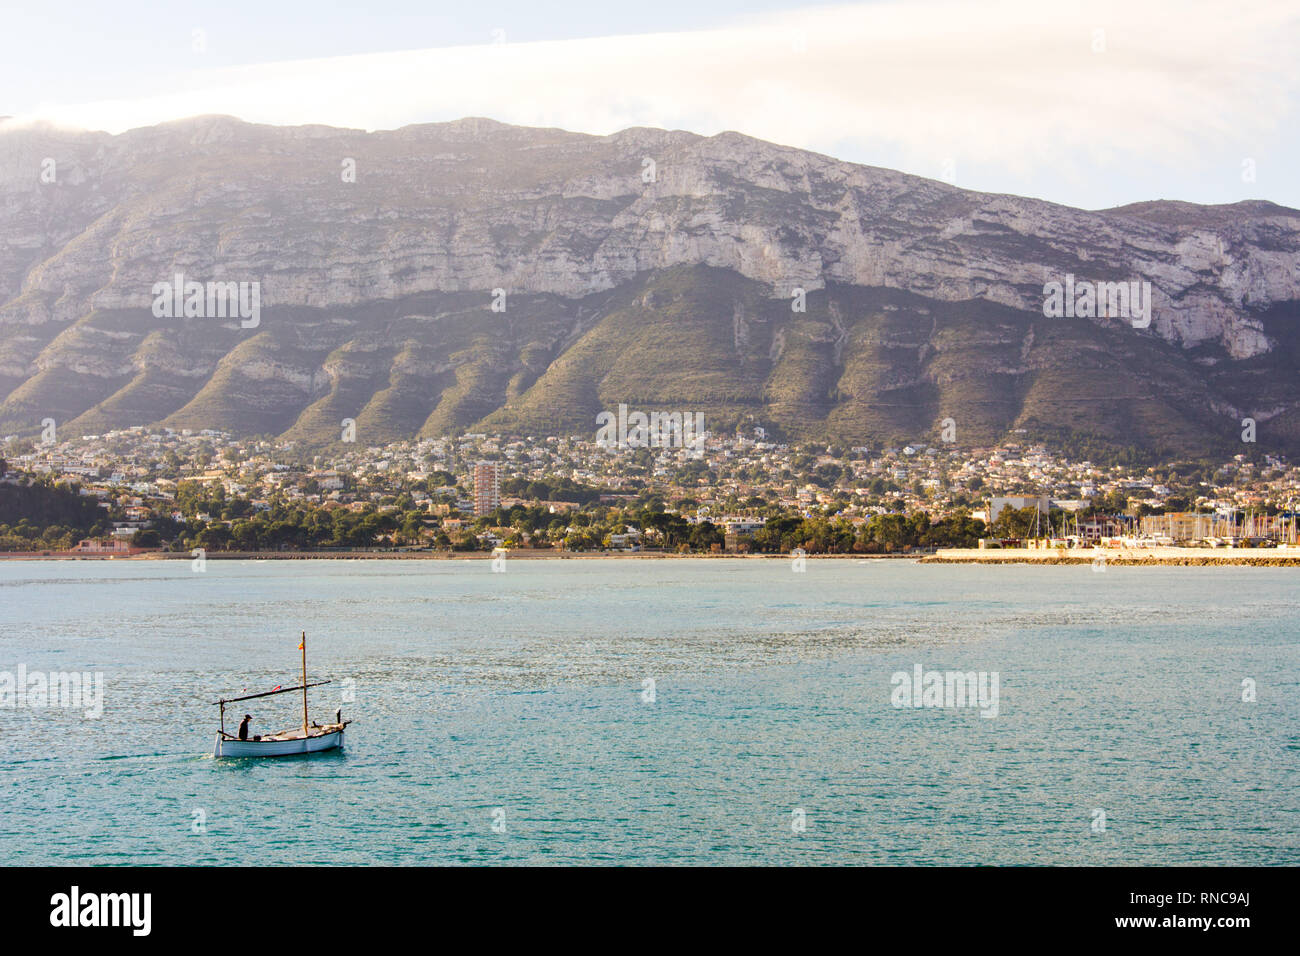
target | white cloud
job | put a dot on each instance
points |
(1015, 83)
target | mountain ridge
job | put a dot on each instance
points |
(573, 229)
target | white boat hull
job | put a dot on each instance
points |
(231, 747)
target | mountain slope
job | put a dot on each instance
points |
(923, 301)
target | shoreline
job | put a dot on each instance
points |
(1120, 557)
(522, 555)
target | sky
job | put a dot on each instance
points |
(1091, 104)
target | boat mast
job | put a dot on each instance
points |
(303, 647)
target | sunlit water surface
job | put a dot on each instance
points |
(505, 717)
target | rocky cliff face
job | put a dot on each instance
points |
(377, 256)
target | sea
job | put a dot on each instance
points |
(648, 712)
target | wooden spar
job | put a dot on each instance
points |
(303, 647)
(268, 693)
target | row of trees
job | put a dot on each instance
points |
(880, 534)
(44, 516)
(38, 515)
(284, 528)
(312, 528)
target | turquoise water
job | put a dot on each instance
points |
(501, 717)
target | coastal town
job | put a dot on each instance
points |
(164, 490)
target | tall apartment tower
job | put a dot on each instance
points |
(487, 488)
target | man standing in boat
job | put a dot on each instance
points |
(243, 726)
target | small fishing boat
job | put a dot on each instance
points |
(307, 739)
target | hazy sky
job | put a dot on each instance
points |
(1088, 103)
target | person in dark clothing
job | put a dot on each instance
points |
(243, 726)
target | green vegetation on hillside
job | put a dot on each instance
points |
(43, 516)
